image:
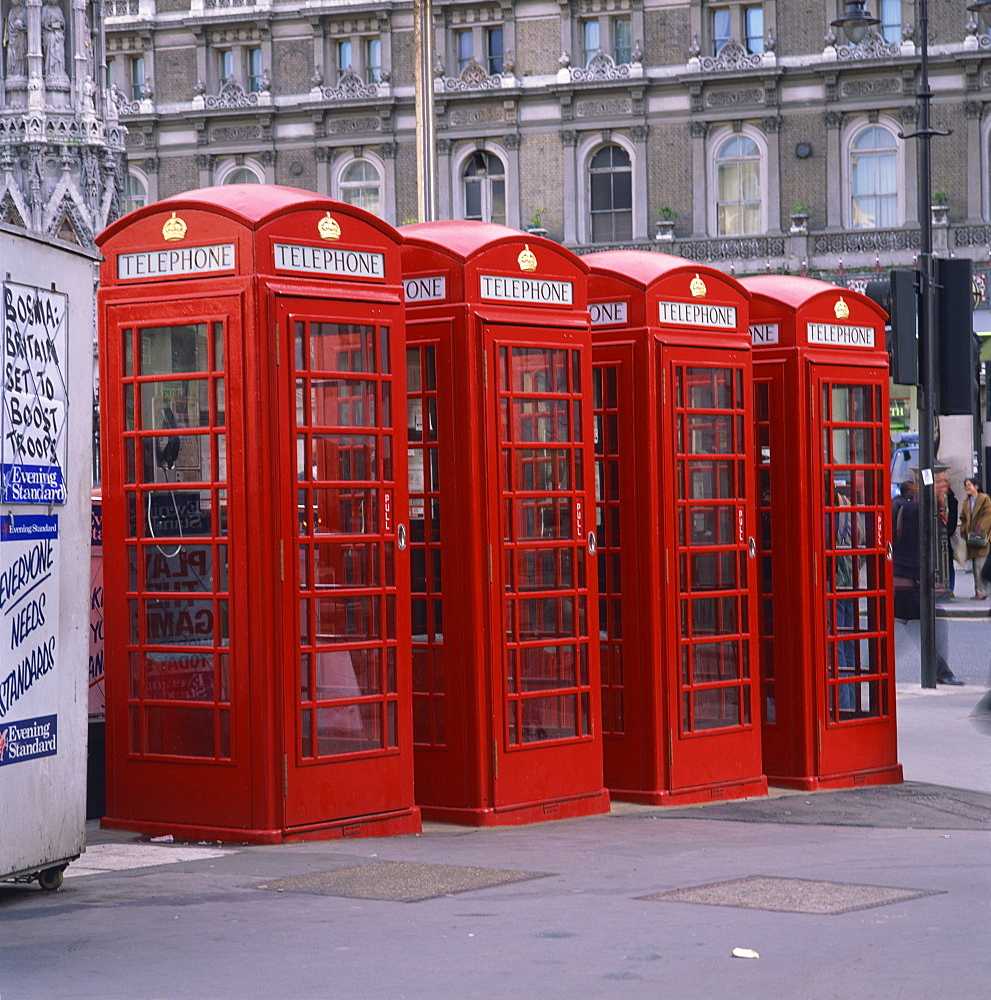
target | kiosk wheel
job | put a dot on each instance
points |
(50, 878)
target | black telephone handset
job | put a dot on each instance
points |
(167, 448)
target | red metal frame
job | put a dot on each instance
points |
(506, 675)
(828, 680)
(677, 512)
(300, 667)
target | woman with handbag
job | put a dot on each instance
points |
(975, 525)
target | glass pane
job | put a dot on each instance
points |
(170, 350)
(179, 677)
(342, 347)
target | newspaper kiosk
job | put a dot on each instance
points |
(677, 574)
(827, 640)
(255, 556)
(506, 674)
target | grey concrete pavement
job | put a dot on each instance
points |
(564, 913)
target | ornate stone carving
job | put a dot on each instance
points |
(871, 46)
(730, 98)
(866, 88)
(606, 106)
(473, 77)
(232, 95)
(732, 56)
(350, 87)
(600, 67)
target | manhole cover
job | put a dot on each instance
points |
(790, 895)
(399, 881)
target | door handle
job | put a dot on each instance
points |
(401, 537)
(889, 555)
(591, 543)
(752, 547)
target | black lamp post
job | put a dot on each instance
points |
(855, 22)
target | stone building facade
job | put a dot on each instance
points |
(741, 132)
(62, 164)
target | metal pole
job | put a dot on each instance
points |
(927, 360)
(426, 152)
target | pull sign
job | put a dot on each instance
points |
(880, 532)
(401, 538)
(740, 524)
(387, 511)
(591, 543)
(579, 519)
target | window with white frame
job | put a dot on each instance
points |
(225, 65)
(738, 186)
(127, 73)
(483, 44)
(739, 22)
(610, 195)
(890, 12)
(611, 34)
(135, 193)
(873, 178)
(255, 68)
(240, 175)
(360, 185)
(361, 53)
(483, 183)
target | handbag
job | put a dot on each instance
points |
(959, 548)
(976, 540)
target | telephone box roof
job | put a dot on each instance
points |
(644, 267)
(464, 239)
(250, 204)
(795, 292)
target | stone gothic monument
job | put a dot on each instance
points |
(61, 147)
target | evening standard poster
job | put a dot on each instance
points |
(29, 614)
(33, 392)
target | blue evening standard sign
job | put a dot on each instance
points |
(33, 394)
(28, 739)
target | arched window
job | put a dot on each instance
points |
(135, 193)
(360, 185)
(484, 182)
(738, 187)
(874, 179)
(241, 175)
(611, 195)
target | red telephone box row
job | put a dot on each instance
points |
(320, 623)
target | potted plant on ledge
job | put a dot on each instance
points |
(665, 223)
(940, 207)
(536, 223)
(799, 219)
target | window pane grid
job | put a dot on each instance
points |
(714, 601)
(855, 553)
(346, 597)
(545, 580)
(178, 597)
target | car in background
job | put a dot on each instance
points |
(904, 460)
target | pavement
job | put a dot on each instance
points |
(880, 892)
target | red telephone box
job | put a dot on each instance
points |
(505, 666)
(827, 645)
(254, 475)
(677, 574)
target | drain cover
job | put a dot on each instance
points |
(790, 895)
(399, 881)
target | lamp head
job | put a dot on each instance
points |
(856, 20)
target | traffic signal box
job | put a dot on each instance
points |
(673, 401)
(826, 626)
(254, 490)
(505, 653)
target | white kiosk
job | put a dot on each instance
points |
(46, 379)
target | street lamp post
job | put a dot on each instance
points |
(855, 22)
(426, 156)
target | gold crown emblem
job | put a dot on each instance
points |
(841, 309)
(328, 228)
(698, 287)
(526, 259)
(174, 229)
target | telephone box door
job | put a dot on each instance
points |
(541, 544)
(346, 636)
(855, 685)
(710, 558)
(180, 727)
